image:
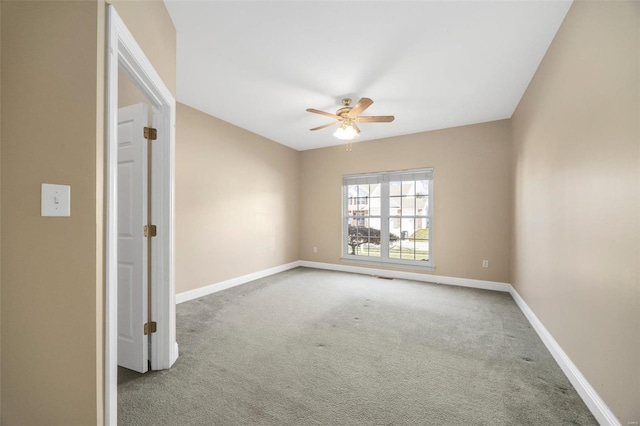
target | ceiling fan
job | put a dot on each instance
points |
(348, 118)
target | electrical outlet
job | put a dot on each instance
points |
(485, 263)
(315, 249)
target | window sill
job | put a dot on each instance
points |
(406, 265)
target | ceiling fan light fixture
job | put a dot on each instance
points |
(348, 116)
(346, 132)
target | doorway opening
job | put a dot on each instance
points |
(126, 57)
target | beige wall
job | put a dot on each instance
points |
(51, 290)
(576, 216)
(236, 201)
(471, 195)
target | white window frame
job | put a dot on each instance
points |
(384, 178)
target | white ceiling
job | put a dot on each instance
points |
(432, 64)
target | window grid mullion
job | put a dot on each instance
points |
(384, 219)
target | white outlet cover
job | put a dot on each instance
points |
(56, 200)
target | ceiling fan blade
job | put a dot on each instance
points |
(362, 104)
(328, 114)
(376, 119)
(355, 126)
(325, 126)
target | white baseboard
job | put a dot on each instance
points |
(594, 402)
(223, 285)
(596, 405)
(430, 278)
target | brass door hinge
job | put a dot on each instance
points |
(150, 231)
(150, 327)
(150, 133)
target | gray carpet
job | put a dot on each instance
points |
(312, 347)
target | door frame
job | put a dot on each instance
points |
(123, 52)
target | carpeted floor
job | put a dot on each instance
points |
(312, 347)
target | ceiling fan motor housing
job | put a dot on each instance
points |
(345, 109)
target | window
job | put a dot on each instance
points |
(387, 217)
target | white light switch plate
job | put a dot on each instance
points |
(56, 200)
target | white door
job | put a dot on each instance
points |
(132, 244)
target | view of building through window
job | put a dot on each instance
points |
(388, 216)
